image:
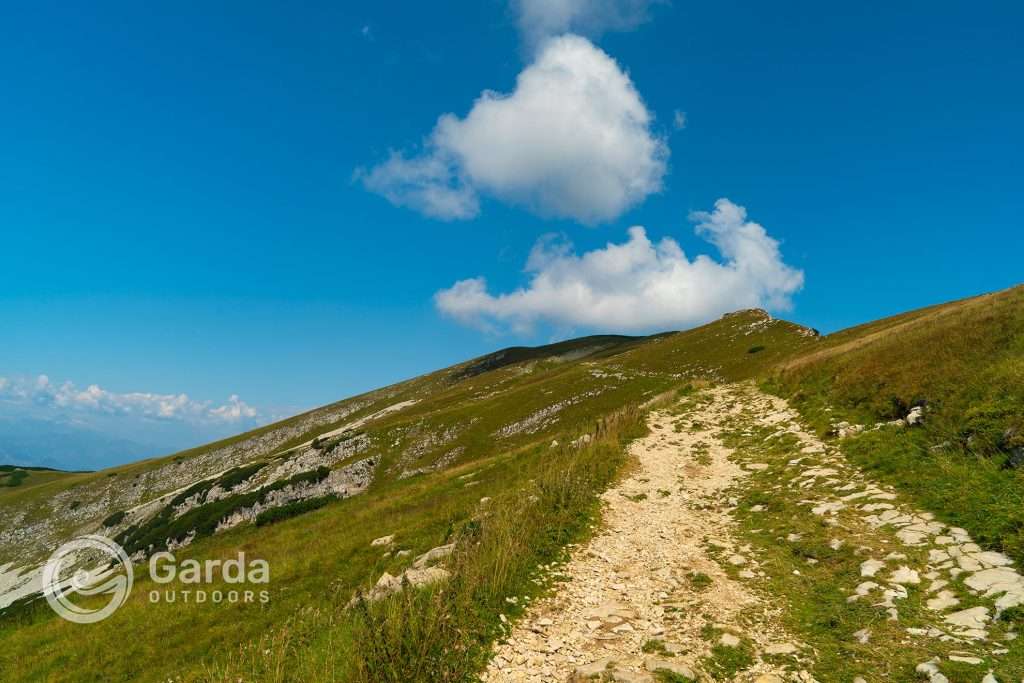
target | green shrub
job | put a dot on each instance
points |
(236, 476)
(292, 509)
(14, 478)
(699, 581)
(201, 487)
(666, 676)
(655, 645)
(725, 662)
(309, 477)
(1013, 615)
(115, 519)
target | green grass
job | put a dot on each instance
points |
(655, 646)
(19, 477)
(965, 362)
(813, 579)
(966, 491)
(725, 662)
(700, 581)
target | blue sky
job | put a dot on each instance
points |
(185, 205)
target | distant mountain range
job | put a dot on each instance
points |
(64, 446)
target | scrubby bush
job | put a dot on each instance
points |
(236, 476)
(200, 487)
(309, 477)
(115, 519)
(292, 509)
(14, 478)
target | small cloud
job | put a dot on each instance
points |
(235, 409)
(429, 183)
(679, 119)
(366, 32)
(636, 285)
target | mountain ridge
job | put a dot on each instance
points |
(417, 460)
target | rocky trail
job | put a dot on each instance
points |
(743, 548)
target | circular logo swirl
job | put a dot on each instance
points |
(114, 578)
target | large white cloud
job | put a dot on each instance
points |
(573, 140)
(40, 391)
(637, 285)
(540, 19)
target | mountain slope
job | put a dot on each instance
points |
(500, 425)
(455, 415)
(502, 455)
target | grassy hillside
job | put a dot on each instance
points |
(536, 431)
(503, 455)
(23, 478)
(963, 362)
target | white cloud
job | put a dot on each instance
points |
(637, 285)
(679, 119)
(41, 392)
(541, 19)
(573, 140)
(235, 409)
(427, 183)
